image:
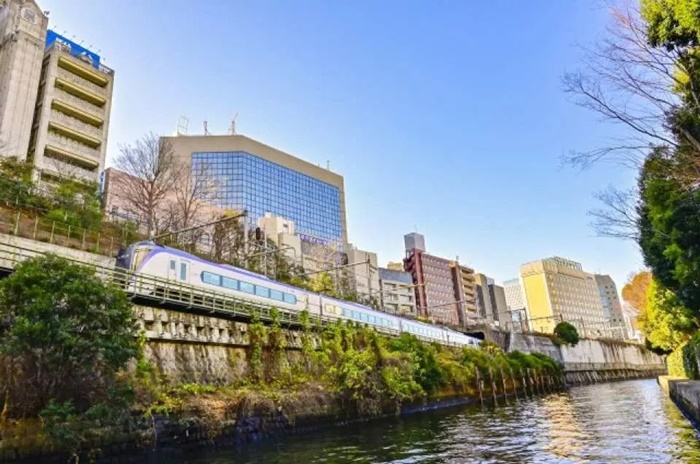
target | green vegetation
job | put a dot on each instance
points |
(71, 202)
(652, 58)
(64, 335)
(567, 333)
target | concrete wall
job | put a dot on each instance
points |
(590, 355)
(34, 247)
(601, 355)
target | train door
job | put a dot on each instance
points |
(179, 270)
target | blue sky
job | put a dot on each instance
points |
(446, 117)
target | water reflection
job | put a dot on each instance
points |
(626, 422)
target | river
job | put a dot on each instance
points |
(623, 422)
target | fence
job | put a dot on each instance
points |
(160, 292)
(27, 225)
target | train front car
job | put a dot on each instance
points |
(128, 262)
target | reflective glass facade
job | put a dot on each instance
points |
(246, 181)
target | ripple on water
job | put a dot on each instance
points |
(625, 422)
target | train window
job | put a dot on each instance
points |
(183, 271)
(212, 279)
(229, 283)
(372, 320)
(276, 295)
(172, 264)
(247, 287)
(291, 299)
(262, 291)
(345, 312)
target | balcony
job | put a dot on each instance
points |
(81, 109)
(72, 127)
(81, 154)
(79, 91)
(87, 71)
(61, 170)
(82, 82)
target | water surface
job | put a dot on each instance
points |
(623, 422)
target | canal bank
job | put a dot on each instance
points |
(685, 394)
(622, 422)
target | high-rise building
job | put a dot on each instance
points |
(260, 179)
(557, 289)
(612, 308)
(498, 302)
(71, 121)
(464, 284)
(22, 37)
(514, 294)
(397, 292)
(444, 289)
(483, 298)
(515, 302)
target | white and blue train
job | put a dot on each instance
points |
(149, 259)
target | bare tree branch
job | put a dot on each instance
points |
(629, 82)
(152, 173)
(619, 217)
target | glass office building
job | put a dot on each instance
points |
(259, 185)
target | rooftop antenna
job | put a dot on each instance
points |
(182, 124)
(206, 130)
(328, 165)
(232, 127)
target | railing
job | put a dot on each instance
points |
(84, 83)
(74, 147)
(76, 124)
(79, 103)
(166, 292)
(161, 292)
(60, 233)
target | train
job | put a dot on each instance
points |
(149, 259)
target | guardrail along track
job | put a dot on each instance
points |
(169, 294)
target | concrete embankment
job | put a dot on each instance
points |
(686, 394)
(594, 361)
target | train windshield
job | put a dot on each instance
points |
(139, 254)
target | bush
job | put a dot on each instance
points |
(64, 335)
(567, 333)
(691, 357)
(674, 362)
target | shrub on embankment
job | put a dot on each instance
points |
(339, 371)
(685, 360)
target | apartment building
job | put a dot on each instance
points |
(71, 119)
(557, 289)
(397, 293)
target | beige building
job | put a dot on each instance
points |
(22, 37)
(260, 179)
(612, 308)
(464, 282)
(397, 292)
(71, 121)
(363, 273)
(557, 289)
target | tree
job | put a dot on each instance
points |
(634, 293)
(665, 322)
(189, 202)
(670, 230)
(152, 171)
(644, 77)
(77, 204)
(567, 333)
(228, 240)
(64, 334)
